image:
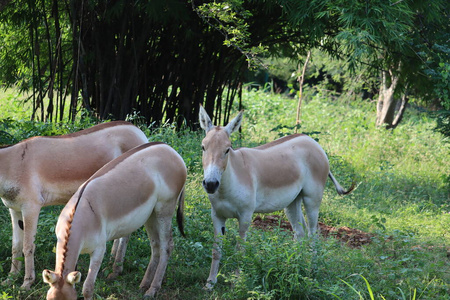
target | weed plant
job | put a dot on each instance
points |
(402, 199)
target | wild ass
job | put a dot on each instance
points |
(42, 171)
(279, 175)
(141, 187)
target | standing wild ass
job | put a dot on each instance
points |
(141, 187)
(42, 171)
(279, 175)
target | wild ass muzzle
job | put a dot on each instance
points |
(279, 175)
(141, 187)
(42, 171)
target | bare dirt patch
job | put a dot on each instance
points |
(352, 237)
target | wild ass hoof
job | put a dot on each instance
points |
(8, 281)
(209, 286)
(144, 286)
(26, 286)
(150, 293)
(112, 276)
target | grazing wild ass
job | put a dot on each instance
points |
(141, 187)
(42, 171)
(279, 175)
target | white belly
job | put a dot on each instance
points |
(271, 200)
(130, 222)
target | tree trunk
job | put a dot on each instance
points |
(300, 80)
(387, 114)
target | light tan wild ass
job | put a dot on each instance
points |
(42, 171)
(141, 187)
(279, 175)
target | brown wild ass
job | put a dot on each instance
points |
(141, 187)
(279, 175)
(42, 171)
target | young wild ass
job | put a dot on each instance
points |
(279, 175)
(42, 171)
(141, 187)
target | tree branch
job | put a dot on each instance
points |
(401, 111)
(300, 92)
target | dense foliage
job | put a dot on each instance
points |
(163, 58)
(403, 44)
(402, 199)
(157, 58)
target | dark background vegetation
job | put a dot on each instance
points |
(163, 58)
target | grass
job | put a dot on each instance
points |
(402, 198)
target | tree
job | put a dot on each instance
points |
(162, 58)
(442, 89)
(34, 54)
(401, 37)
(386, 104)
(115, 57)
(400, 40)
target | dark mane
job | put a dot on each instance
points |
(68, 231)
(86, 131)
(112, 164)
(89, 130)
(278, 141)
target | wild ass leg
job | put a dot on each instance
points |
(155, 244)
(94, 267)
(17, 244)
(312, 204)
(295, 216)
(118, 251)
(219, 230)
(30, 215)
(112, 260)
(244, 224)
(161, 228)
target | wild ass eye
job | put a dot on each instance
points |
(228, 150)
(203, 148)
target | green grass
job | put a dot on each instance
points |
(402, 198)
(12, 105)
(20, 106)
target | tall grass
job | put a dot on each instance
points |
(402, 198)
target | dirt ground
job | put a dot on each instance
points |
(353, 238)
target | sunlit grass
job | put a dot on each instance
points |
(12, 105)
(402, 199)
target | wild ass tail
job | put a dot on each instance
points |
(180, 216)
(339, 188)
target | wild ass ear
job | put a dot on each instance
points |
(234, 124)
(49, 276)
(205, 120)
(73, 277)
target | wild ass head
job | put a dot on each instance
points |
(61, 288)
(216, 147)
